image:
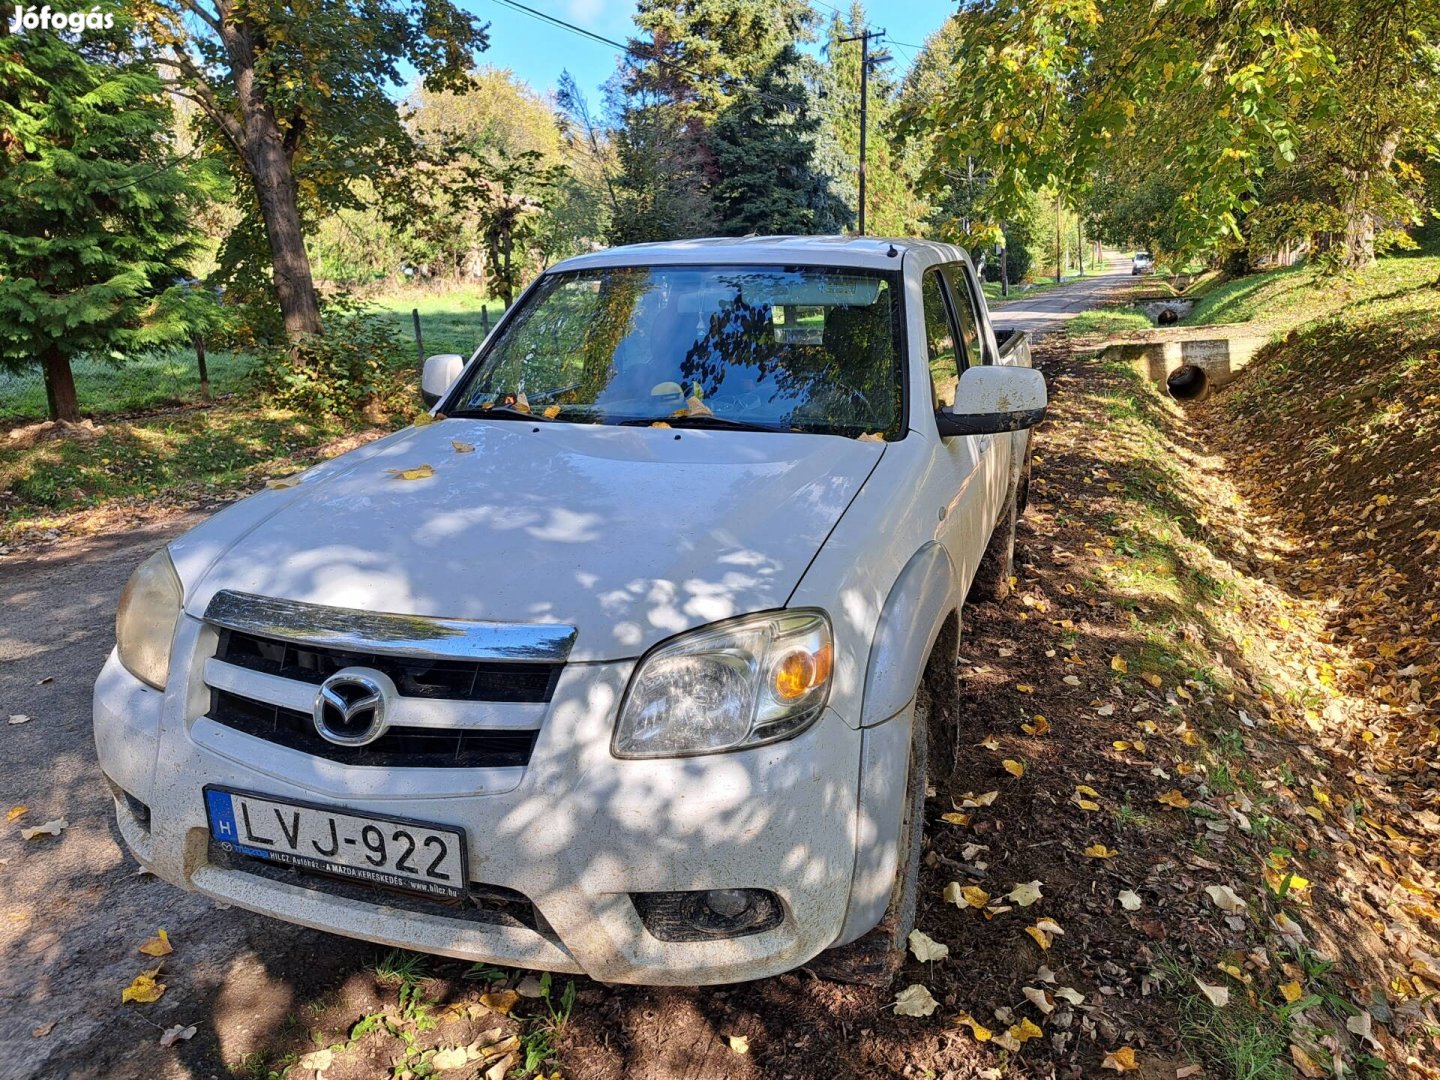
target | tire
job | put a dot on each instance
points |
(1022, 486)
(997, 565)
(874, 958)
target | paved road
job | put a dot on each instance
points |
(1050, 310)
(73, 911)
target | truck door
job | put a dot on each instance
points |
(965, 528)
(995, 451)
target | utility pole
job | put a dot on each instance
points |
(1059, 266)
(864, 37)
(1080, 244)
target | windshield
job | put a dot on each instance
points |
(766, 347)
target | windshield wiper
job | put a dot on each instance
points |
(701, 421)
(496, 412)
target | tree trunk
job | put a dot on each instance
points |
(275, 189)
(60, 386)
(266, 154)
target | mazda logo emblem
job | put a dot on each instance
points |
(351, 707)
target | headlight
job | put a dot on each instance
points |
(742, 683)
(145, 623)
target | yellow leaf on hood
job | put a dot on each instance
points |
(144, 989)
(550, 412)
(462, 447)
(159, 945)
(870, 436)
(419, 472)
(1100, 851)
(1121, 1060)
(281, 484)
(1013, 767)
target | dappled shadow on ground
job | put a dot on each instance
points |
(1155, 629)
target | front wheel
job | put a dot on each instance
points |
(875, 957)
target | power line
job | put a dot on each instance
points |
(640, 54)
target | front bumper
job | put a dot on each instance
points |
(577, 831)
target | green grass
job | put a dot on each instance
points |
(215, 451)
(1287, 297)
(452, 321)
(1104, 321)
(146, 382)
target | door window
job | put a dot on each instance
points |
(966, 317)
(940, 337)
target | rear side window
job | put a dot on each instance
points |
(969, 323)
(940, 338)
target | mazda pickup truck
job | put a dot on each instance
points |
(636, 660)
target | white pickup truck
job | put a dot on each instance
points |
(634, 662)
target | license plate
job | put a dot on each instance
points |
(387, 851)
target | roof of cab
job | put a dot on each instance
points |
(872, 252)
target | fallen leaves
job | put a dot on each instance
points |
(1174, 798)
(1129, 900)
(971, 801)
(927, 948)
(739, 1044)
(1117, 663)
(977, 1029)
(1224, 897)
(53, 827)
(146, 988)
(460, 448)
(1013, 767)
(1039, 726)
(915, 1000)
(19, 718)
(1100, 851)
(1219, 996)
(178, 1033)
(1024, 895)
(419, 472)
(1044, 932)
(966, 895)
(159, 945)
(1121, 1060)
(15, 812)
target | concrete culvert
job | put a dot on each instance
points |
(1188, 383)
(1168, 317)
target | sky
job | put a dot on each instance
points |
(537, 51)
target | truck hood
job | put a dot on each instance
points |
(628, 534)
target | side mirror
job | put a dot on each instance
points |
(991, 400)
(438, 375)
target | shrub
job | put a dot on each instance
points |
(357, 364)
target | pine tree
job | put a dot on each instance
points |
(764, 147)
(94, 232)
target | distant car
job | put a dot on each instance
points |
(1143, 263)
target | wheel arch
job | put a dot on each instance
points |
(919, 623)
